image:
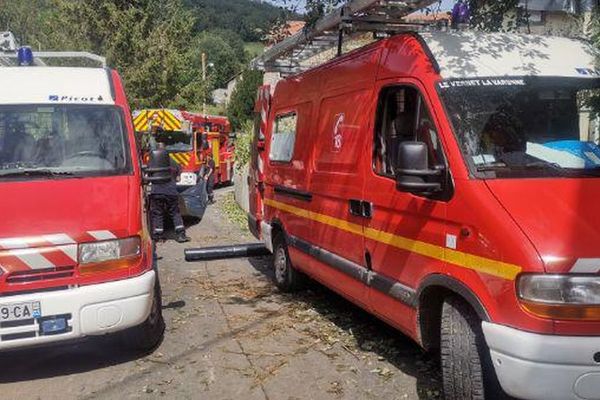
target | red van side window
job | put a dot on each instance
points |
(283, 138)
(402, 115)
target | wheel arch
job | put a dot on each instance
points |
(277, 227)
(430, 297)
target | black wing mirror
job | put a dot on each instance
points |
(159, 167)
(413, 174)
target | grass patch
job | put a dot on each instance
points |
(254, 48)
(234, 212)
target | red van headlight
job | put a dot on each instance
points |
(109, 254)
(565, 297)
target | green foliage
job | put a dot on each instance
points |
(243, 143)
(254, 49)
(156, 45)
(233, 211)
(496, 16)
(315, 9)
(251, 20)
(223, 60)
(242, 101)
(594, 29)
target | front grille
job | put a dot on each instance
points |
(40, 275)
(14, 324)
(32, 328)
(16, 336)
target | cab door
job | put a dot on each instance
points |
(257, 160)
(405, 234)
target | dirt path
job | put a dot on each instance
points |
(230, 335)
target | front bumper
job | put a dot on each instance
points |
(89, 310)
(546, 367)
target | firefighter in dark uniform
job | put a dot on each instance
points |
(208, 174)
(164, 200)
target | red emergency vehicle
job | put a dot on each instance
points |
(447, 183)
(189, 137)
(76, 258)
(213, 132)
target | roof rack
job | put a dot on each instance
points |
(9, 48)
(378, 16)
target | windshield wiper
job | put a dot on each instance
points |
(36, 172)
(543, 165)
(491, 167)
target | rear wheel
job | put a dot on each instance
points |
(467, 370)
(148, 335)
(287, 278)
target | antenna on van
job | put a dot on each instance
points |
(293, 54)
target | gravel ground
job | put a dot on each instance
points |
(231, 334)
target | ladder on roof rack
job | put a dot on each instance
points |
(385, 16)
(9, 48)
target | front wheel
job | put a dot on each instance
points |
(467, 370)
(149, 334)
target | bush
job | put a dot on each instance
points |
(241, 106)
(242, 145)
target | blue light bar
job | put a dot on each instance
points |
(25, 56)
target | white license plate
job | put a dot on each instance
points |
(20, 311)
(187, 179)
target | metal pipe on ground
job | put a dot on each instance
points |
(224, 252)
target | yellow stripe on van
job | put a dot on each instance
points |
(461, 259)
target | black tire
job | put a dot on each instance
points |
(467, 370)
(149, 334)
(287, 278)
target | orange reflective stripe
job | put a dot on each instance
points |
(470, 261)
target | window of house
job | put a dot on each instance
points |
(402, 115)
(283, 138)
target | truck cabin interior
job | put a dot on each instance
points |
(403, 117)
(175, 141)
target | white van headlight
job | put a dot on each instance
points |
(569, 297)
(107, 250)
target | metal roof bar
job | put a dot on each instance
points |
(63, 54)
(355, 15)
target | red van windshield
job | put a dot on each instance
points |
(528, 127)
(65, 140)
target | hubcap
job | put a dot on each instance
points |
(280, 265)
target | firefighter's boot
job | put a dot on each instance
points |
(181, 237)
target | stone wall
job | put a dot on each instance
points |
(240, 185)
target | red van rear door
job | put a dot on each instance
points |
(257, 160)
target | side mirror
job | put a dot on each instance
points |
(260, 145)
(413, 169)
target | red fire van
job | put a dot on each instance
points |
(76, 258)
(448, 183)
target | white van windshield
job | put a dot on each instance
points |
(62, 141)
(526, 127)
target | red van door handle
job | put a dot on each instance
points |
(361, 208)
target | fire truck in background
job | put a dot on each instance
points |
(216, 139)
(189, 138)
